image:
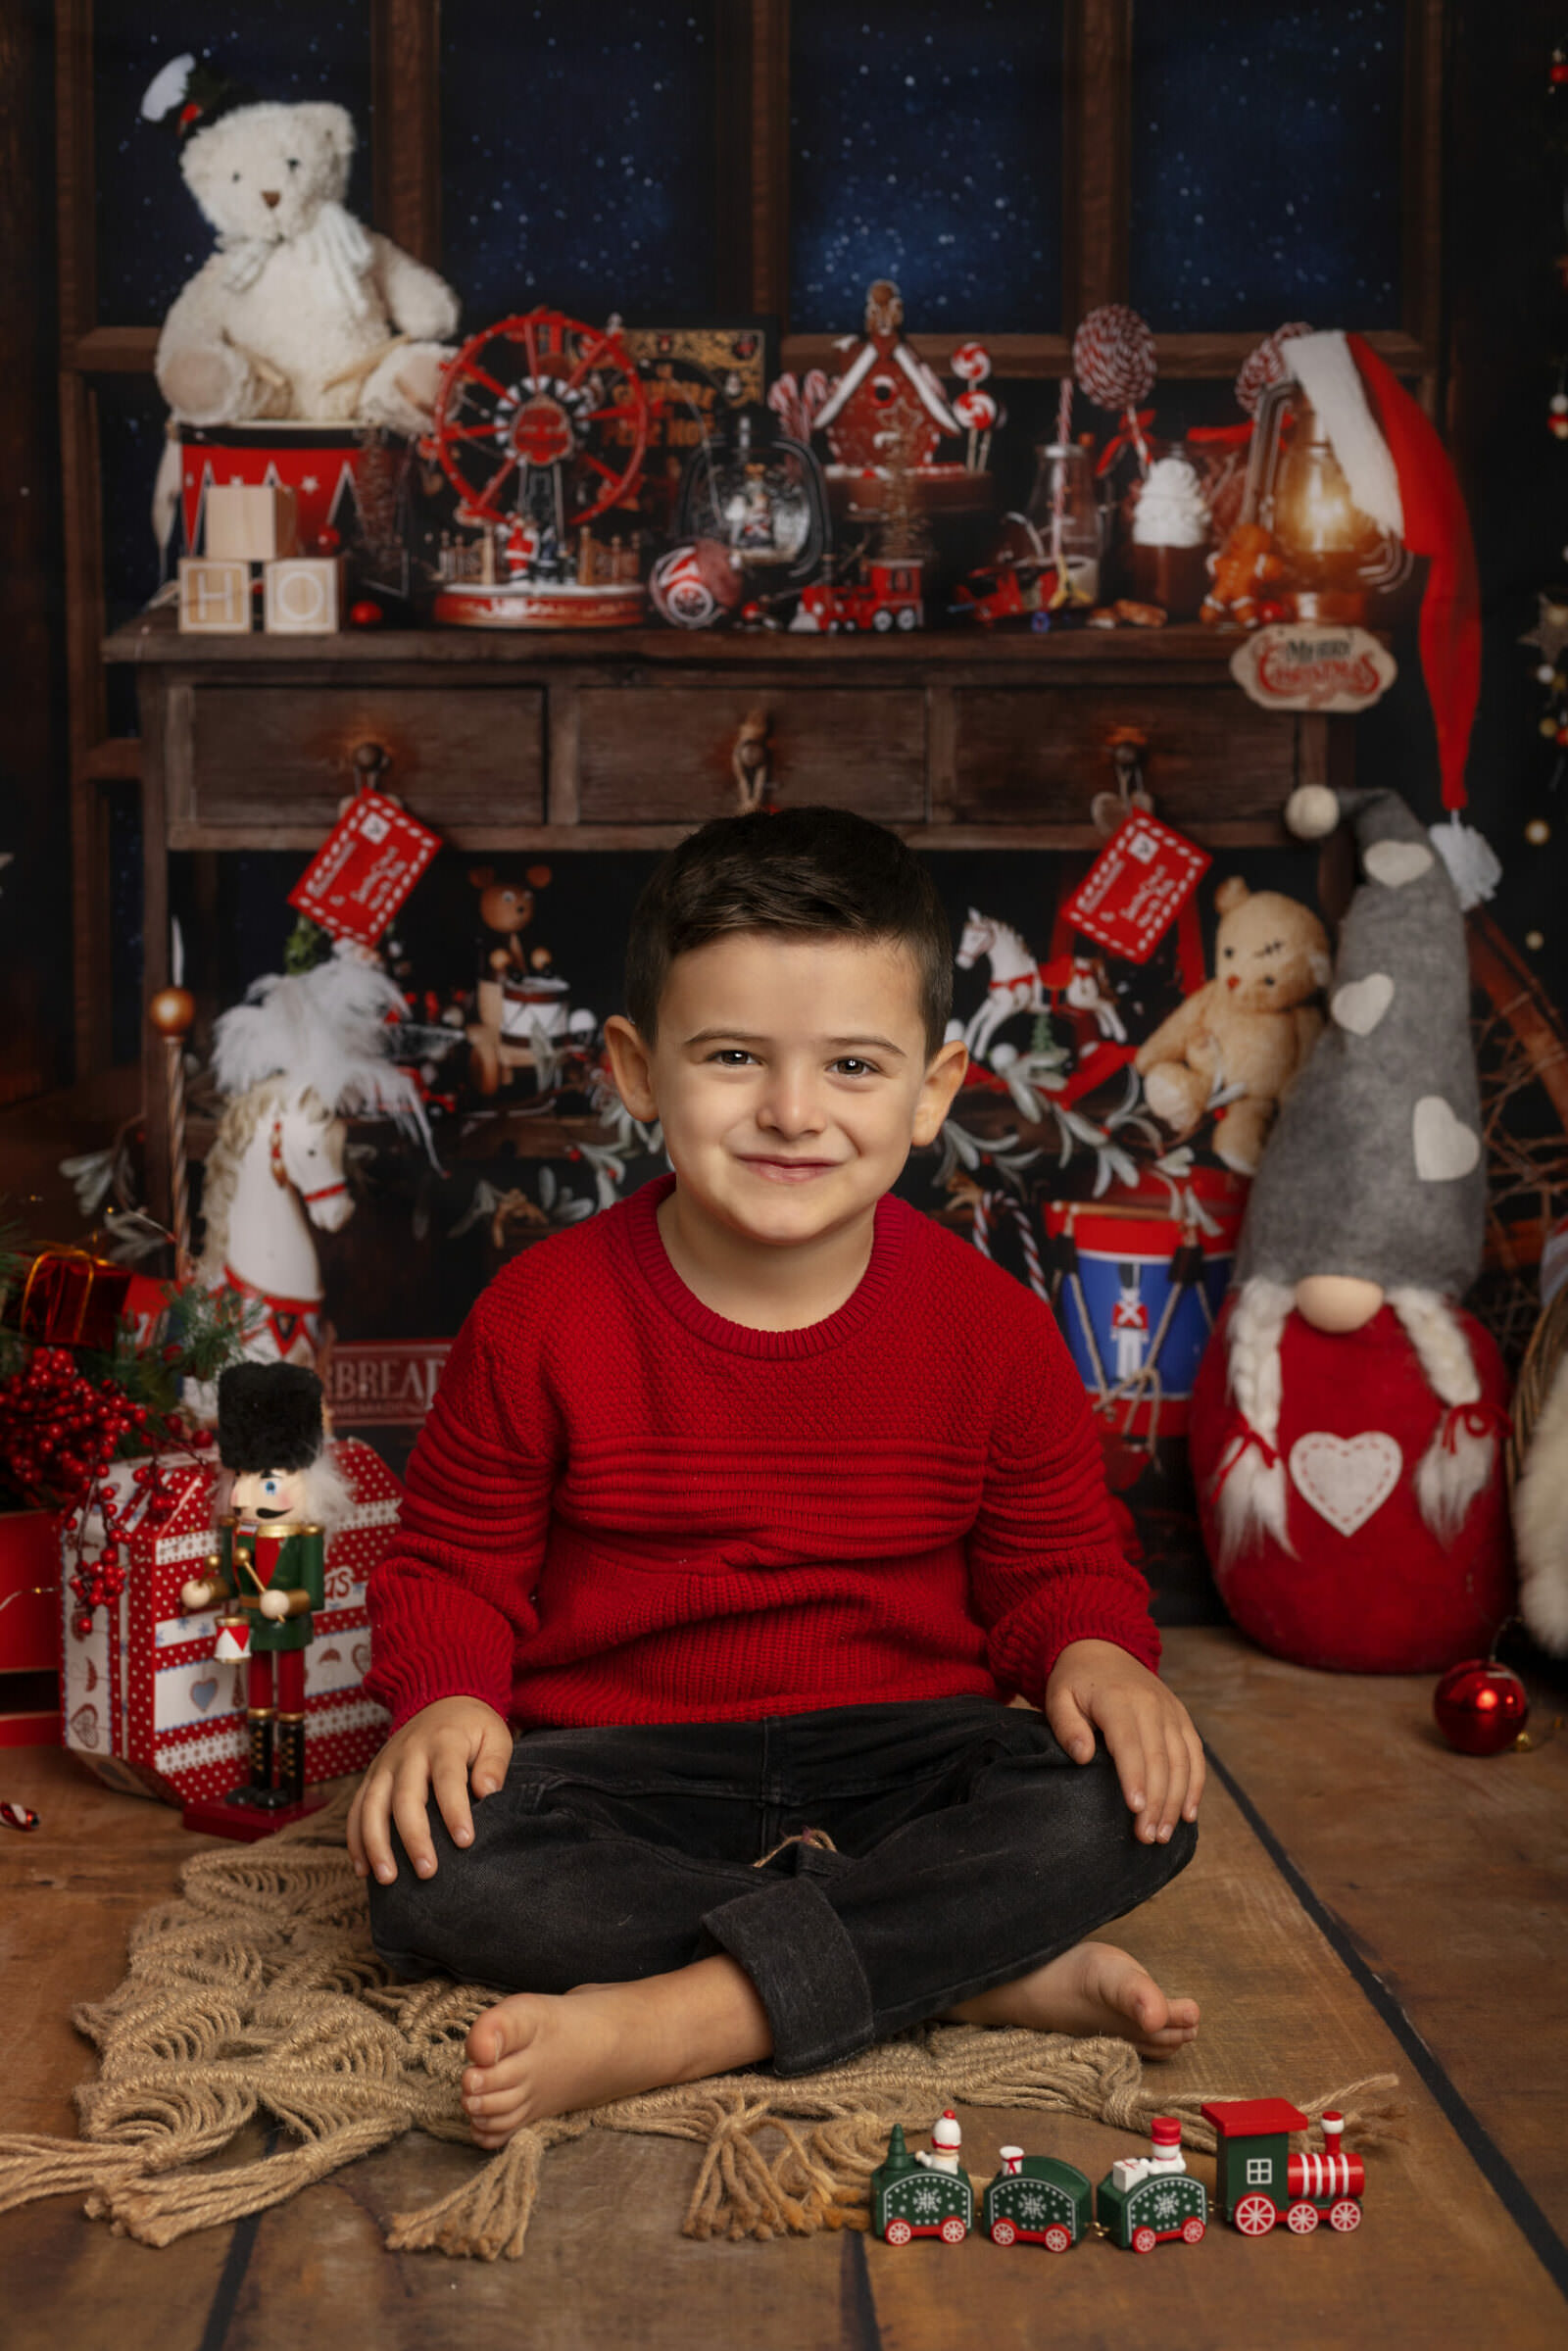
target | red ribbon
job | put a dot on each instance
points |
(1125, 438)
(1249, 1436)
(1477, 1420)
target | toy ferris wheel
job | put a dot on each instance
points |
(540, 425)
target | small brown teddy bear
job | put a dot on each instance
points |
(1244, 1033)
(507, 908)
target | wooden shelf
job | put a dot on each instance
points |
(1188, 653)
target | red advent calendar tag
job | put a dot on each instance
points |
(1136, 888)
(364, 868)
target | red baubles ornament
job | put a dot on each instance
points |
(1481, 1706)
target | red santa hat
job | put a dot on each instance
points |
(1400, 475)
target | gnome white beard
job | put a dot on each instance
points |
(1458, 1462)
(1248, 1490)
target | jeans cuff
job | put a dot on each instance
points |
(806, 1971)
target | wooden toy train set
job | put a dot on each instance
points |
(1142, 2201)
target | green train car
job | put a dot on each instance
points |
(1036, 2200)
(910, 2198)
(1141, 2202)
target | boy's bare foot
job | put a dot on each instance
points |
(537, 2055)
(1094, 1987)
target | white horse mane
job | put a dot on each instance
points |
(326, 1031)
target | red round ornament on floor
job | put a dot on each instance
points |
(1481, 1706)
(1366, 1585)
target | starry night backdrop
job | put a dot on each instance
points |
(925, 142)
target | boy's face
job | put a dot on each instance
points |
(790, 1076)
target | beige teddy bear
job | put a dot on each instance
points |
(300, 311)
(1239, 1041)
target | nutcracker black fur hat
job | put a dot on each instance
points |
(269, 1417)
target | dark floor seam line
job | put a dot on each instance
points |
(868, 2332)
(1489, 2158)
(236, 2261)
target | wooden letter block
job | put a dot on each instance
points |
(215, 596)
(303, 596)
(249, 519)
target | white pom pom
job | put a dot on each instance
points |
(1474, 867)
(1311, 811)
(166, 88)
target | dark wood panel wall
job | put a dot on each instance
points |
(35, 978)
(750, 151)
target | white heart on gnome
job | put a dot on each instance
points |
(1446, 1148)
(1345, 1479)
(1361, 1004)
(1396, 862)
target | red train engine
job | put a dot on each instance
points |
(1262, 2182)
(890, 597)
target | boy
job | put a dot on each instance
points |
(750, 1501)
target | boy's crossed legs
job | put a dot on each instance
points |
(973, 1861)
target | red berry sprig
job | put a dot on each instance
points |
(59, 1432)
(153, 1498)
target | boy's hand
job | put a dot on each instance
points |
(1148, 1733)
(441, 1747)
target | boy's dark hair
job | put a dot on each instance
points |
(801, 872)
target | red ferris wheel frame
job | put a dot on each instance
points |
(561, 354)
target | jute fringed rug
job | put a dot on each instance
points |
(258, 1993)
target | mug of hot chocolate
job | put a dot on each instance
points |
(1167, 561)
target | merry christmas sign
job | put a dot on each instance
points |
(1313, 666)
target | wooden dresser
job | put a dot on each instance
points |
(626, 740)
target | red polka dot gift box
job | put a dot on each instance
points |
(144, 1701)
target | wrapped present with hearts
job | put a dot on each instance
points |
(148, 1701)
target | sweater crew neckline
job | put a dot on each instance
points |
(646, 1244)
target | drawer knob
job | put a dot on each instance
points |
(370, 758)
(1127, 746)
(750, 762)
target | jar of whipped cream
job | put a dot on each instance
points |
(1167, 555)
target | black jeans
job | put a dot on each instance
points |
(968, 1850)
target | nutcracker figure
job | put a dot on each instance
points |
(268, 1569)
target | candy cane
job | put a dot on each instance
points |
(984, 1208)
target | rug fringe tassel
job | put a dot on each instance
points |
(486, 2218)
(155, 2210)
(33, 2166)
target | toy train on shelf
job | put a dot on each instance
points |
(1142, 2201)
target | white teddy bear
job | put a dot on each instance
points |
(300, 311)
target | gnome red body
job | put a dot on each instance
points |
(1366, 1585)
(1347, 1422)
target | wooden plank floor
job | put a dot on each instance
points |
(1442, 1886)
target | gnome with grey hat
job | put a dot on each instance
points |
(1371, 1192)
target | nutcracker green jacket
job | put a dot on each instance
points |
(288, 1558)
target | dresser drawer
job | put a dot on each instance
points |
(662, 755)
(1037, 754)
(278, 756)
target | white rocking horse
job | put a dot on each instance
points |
(302, 1050)
(1015, 984)
(276, 1168)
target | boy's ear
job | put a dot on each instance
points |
(630, 1067)
(944, 1075)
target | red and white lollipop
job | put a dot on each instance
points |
(1266, 364)
(972, 363)
(978, 412)
(1114, 360)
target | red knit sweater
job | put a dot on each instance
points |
(626, 1509)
